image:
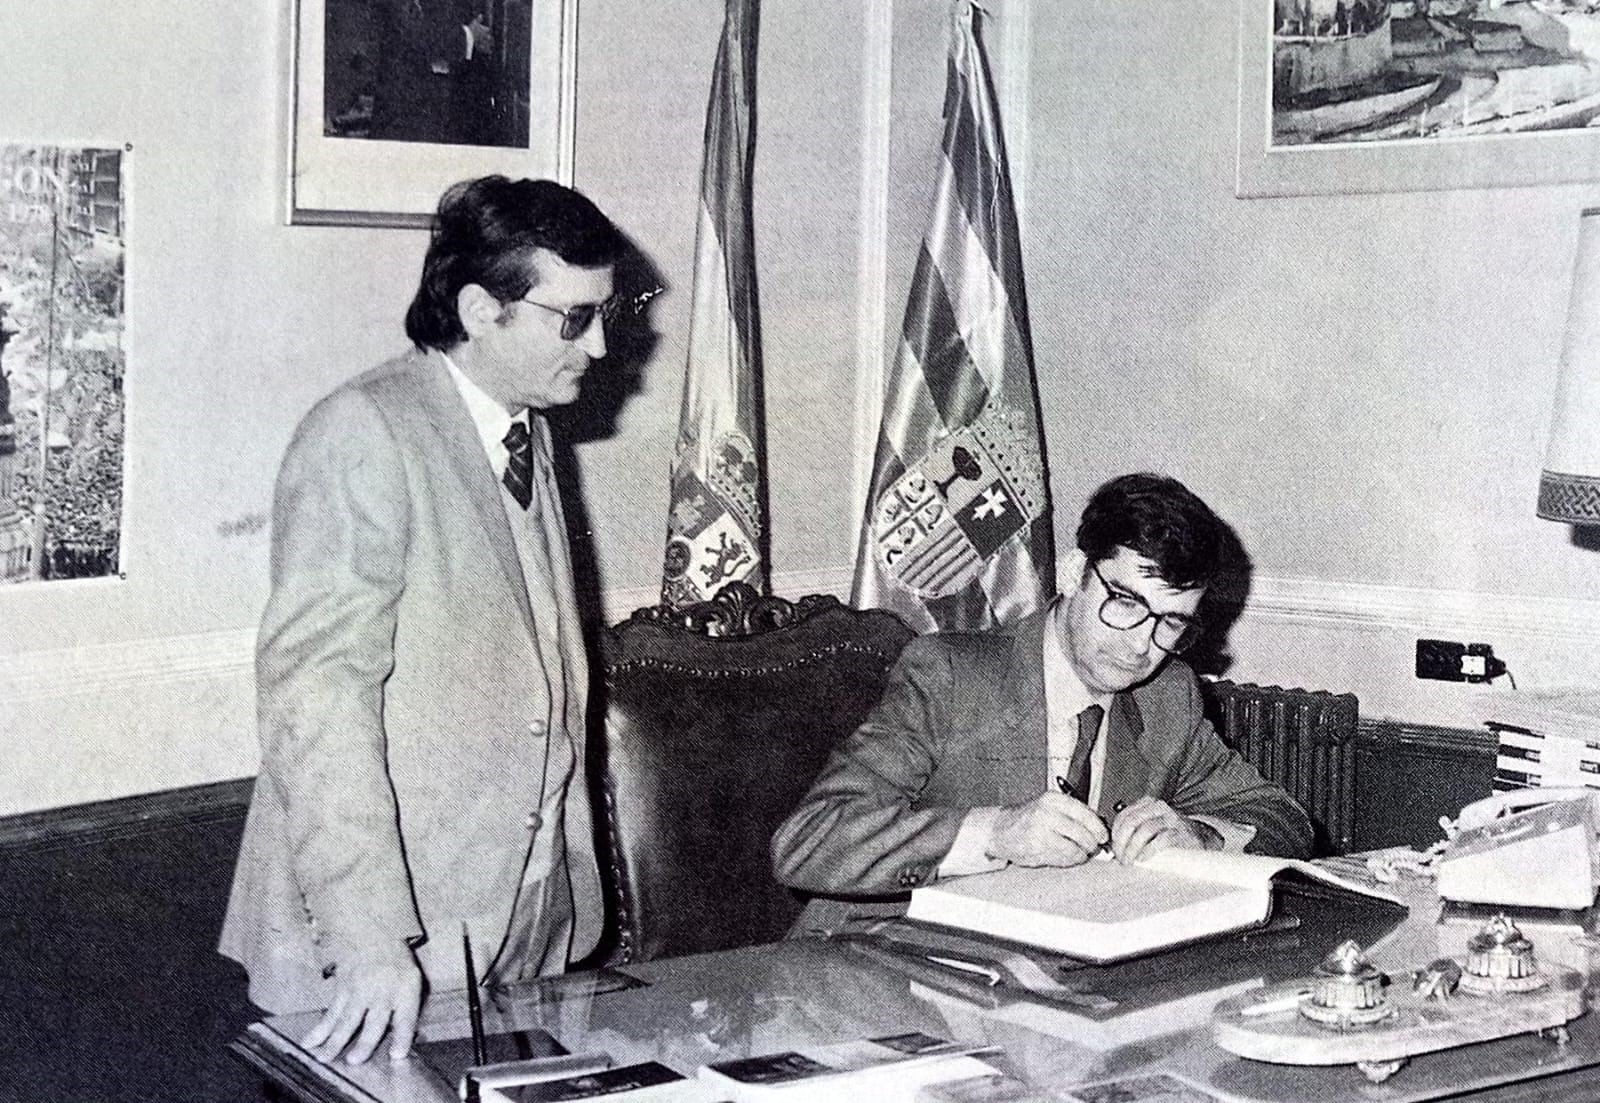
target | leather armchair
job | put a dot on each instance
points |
(717, 720)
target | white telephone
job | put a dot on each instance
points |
(1529, 848)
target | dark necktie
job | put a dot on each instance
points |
(519, 463)
(1088, 734)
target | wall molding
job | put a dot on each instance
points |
(105, 669)
(1364, 606)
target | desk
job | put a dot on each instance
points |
(788, 995)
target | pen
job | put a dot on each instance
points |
(1061, 783)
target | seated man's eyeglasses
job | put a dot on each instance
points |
(1173, 632)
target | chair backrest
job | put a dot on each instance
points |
(717, 720)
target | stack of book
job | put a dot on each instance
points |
(1545, 738)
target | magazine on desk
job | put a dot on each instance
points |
(1105, 911)
(882, 1069)
(645, 1082)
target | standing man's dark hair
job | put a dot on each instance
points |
(1162, 520)
(485, 232)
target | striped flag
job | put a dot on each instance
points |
(957, 530)
(716, 524)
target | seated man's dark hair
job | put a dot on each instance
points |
(484, 233)
(1159, 518)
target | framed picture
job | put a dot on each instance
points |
(1399, 95)
(394, 100)
(63, 227)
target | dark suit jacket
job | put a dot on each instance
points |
(403, 700)
(962, 724)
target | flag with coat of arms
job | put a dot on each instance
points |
(957, 529)
(716, 522)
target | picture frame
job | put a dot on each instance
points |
(378, 130)
(1474, 156)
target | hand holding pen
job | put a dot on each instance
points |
(1083, 798)
(1053, 829)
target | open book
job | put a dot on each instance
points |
(1106, 911)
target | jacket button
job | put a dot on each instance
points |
(538, 728)
(533, 821)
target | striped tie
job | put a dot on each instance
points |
(519, 463)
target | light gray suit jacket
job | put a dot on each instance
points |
(962, 724)
(402, 705)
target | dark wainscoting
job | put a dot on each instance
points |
(1408, 775)
(112, 990)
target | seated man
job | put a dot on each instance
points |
(1019, 745)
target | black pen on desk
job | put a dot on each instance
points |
(480, 1045)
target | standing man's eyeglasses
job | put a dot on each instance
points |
(576, 320)
(1173, 632)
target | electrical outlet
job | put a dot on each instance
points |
(1449, 661)
(1440, 660)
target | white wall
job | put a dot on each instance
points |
(1359, 384)
(236, 324)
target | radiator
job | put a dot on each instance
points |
(1302, 739)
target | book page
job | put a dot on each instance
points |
(1245, 870)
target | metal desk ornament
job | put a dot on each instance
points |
(1348, 1012)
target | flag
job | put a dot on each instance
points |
(957, 528)
(716, 522)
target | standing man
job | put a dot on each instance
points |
(421, 675)
(1037, 743)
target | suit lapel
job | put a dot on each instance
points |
(462, 453)
(1126, 768)
(1023, 713)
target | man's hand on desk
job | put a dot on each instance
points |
(1050, 830)
(373, 993)
(1149, 825)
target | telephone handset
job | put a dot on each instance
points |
(1528, 848)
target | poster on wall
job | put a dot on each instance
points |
(1391, 95)
(61, 361)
